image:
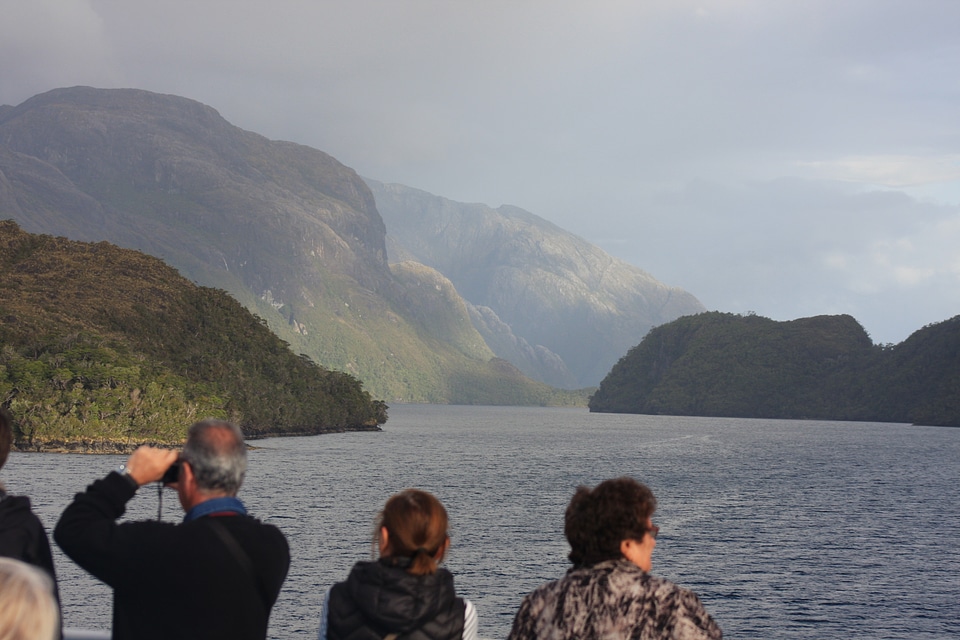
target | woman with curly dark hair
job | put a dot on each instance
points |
(609, 592)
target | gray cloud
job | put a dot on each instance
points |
(793, 248)
(707, 138)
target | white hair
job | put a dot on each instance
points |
(28, 610)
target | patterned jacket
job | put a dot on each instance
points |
(612, 600)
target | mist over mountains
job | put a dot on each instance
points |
(571, 309)
(472, 296)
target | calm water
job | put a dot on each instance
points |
(785, 529)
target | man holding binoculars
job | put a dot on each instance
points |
(216, 575)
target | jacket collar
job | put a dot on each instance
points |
(227, 504)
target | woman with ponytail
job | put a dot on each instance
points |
(404, 594)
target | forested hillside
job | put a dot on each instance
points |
(721, 364)
(289, 231)
(106, 348)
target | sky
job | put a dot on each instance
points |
(788, 158)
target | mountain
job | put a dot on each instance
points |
(107, 348)
(558, 307)
(826, 367)
(290, 232)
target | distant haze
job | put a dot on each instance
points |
(788, 158)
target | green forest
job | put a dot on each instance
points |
(826, 367)
(103, 348)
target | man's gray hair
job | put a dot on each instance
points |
(217, 454)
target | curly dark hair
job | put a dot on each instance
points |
(597, 520)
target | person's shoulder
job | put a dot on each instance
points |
(674, 597)
(663, 586)
(265, 528)
(691, 619)
(272, 532)
(17, 515)
(629, 574)
(627, 577)
(548, 589)
(268, 534)
(15, 504)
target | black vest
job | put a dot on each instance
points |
(378, 600)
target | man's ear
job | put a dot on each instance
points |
(186, 472)
(187, 484)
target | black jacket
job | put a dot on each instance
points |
(21, 534)
(174, 581)
(23, 537)
(378, 599)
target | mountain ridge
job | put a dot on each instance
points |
(288, 230)
(558, 293)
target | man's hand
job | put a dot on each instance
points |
(148, 464)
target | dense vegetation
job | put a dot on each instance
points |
(721, 364)
(107, 347)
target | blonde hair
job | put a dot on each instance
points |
(28, 610)
(416, 523)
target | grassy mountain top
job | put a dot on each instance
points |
(108, 348)
(826, 367)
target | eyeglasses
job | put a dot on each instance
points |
(653, 530)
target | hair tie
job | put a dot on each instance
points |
(420, 550)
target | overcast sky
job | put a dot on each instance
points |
(786, 157)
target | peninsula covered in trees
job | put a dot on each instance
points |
(826, 367)
(103, 348)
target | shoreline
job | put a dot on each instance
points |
(109, 447)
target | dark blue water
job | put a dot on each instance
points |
(785, 529)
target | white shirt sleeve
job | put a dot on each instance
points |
(323, 616)
(470, 622)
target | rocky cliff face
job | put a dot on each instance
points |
(298, 238)
(140, 162)
(288, 230)
(572, 310)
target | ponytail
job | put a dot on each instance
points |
(416, 525)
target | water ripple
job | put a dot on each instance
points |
(785, 529)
